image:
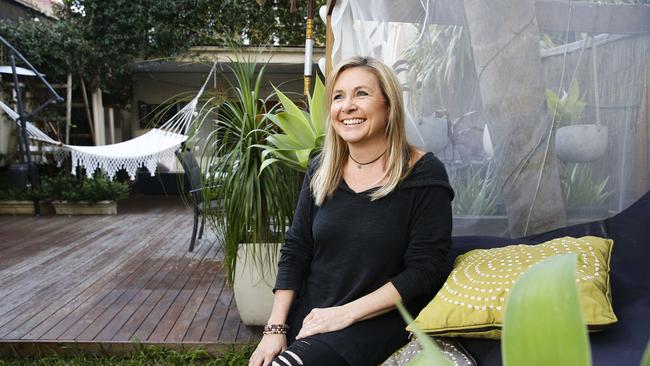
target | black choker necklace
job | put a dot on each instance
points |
(360, 165)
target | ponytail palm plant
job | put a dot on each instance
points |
(257, 205)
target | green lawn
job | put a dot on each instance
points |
(154, 356)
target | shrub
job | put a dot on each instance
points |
(63, 187)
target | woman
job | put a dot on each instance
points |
(372, 227)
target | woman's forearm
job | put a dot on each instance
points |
(334, 318)
(281, 304)
(375, 303)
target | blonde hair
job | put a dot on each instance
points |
(329, 173)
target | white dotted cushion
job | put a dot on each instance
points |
(472, 300)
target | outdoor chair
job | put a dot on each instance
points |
(199, 206)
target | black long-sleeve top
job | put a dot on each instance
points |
(350, 246)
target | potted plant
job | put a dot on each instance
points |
(584, 194)
(84, 196)
(475, 205)
(21, 201)
(257, 204)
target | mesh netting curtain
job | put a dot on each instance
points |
(538, 112)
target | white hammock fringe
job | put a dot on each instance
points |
(143, 151)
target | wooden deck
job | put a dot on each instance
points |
(108, 281)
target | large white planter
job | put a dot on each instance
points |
(253, 282)
(581, 143)
(85, 208)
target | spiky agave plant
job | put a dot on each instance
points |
(257, 206)
(302, 134)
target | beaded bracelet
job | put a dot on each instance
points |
(275, 329)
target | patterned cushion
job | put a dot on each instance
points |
(472, 300)
(451, 348)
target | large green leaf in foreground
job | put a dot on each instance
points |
(645, 361)
(543, 323)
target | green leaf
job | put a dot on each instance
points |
(292, 109)
(645, 360)
(303, 157)
(266, 163)
(294, 128)
(543, 322)
(317, 107)
(284, 142)
(430, 352)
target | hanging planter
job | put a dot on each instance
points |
(581, 143)
(584, 142)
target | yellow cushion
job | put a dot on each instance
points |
(471, 302)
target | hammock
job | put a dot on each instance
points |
(145, 151)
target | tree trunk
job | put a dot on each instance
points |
(505, 44)
(91, 124)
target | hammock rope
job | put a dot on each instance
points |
(146, 150)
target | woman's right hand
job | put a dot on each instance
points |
(270, 346)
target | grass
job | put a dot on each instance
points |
(148, 356)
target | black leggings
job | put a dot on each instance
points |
(308, 352)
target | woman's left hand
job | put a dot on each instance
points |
(324, 320)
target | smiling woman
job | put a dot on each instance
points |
(359, 111)
(372, 228)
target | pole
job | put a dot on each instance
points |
(23, 129)
(68, 109)
(309, 46)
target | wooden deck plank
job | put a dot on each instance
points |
(109, 279)
(43, 239)
(218, 316)
(180, 276)
(42, 230)
(43, 275)
(81, 317)
(134, 303)
(173, 313)
(43, 316)
(92, 277)
(79, 278)
(202, 317)
(59, 310)
(186, 316)
(231, 324)
(128, 251)
(133, 284)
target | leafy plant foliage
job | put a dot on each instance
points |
(27, 194)
(148, 355)
(303, 133)
(581, 188)
(258, 205)
(566, 109)
(476, 189)
(64, 187)
(99, 40)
